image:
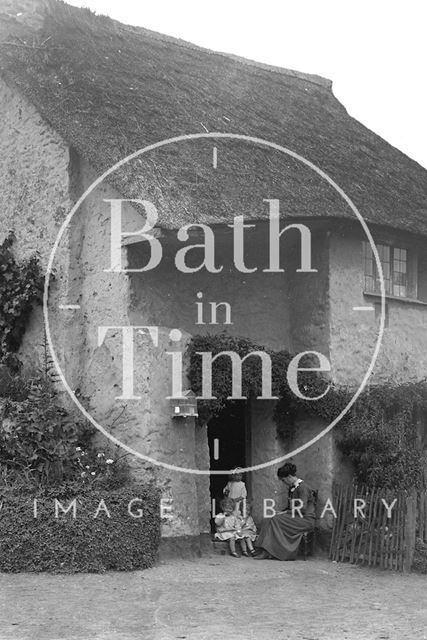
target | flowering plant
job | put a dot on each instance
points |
(97, 468)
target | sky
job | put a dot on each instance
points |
(375, 52)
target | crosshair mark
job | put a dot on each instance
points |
(215, 157)
(69, 307)
(121, 163)
(216, 449)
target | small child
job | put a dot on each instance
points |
(247, 528)
(228, 525)
(236, 489)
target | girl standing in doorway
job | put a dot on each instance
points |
(236, 489)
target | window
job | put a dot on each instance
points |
(394, 261)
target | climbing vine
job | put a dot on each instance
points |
(21, 286)
(251, 370)
(379, 434)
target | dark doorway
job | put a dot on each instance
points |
(229, 429)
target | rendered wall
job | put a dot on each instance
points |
(353, 334)
(41, 180)
(34, 198)
(281, 311)
(144, 423)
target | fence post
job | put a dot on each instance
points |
(410, 527)
(424, 499)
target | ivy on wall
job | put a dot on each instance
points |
(21, 286)
(222, 370)
(379, 434)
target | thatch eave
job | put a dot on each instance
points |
(110, 89)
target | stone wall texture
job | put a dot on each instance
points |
(353, 334)
(34, 197)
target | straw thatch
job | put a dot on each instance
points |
(110, 89)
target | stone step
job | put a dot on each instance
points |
(220, 547)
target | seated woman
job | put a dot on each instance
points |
(280, 536)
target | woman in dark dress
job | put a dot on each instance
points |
(280, 536)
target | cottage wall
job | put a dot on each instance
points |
(260, 310)
(281, 311)
(403, 353)
(259, 301)
(34, 198)
(41, 179)
(144, 424)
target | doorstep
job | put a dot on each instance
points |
(185, 547)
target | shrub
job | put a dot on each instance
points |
(39, 438)
(379, 435)
(83, 544)
(21, 286)
(222, 369)
(98, 470)
(419, 563)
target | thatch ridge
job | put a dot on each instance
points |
(110, 89)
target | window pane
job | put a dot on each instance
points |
(368, 264)
(399, 290)
(400, 280)
(384, 253)
(394, 263)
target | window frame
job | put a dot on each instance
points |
(393, 285)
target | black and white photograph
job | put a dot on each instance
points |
(213, 320)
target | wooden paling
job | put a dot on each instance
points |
(376, 539)
(393, 533)
(362, 534)
(336, 493)
(373, 515)
(425, 516)
(387, 532)
(377, 531)
(396, 530)
(346, 522)
(340, 521)
(354, 536)
(402, 531)
(337, 527)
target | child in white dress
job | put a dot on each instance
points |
(247, 528)
(236, 489)
(228, 525)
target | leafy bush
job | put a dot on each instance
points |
(83, 544)
(21, 285)
(379, 435)
(38, 437)
(99, 470)
(222, 369)
(419, 563)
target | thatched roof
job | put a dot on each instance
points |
(110, 89)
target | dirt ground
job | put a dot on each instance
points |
(217, 597)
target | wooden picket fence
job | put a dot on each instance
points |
(422, 515)
(374, 539)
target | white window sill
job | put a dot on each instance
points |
(388, 296)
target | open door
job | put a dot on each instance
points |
(228, 445)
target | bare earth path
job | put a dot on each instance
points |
(217, 597)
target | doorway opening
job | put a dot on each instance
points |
(229, 446)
